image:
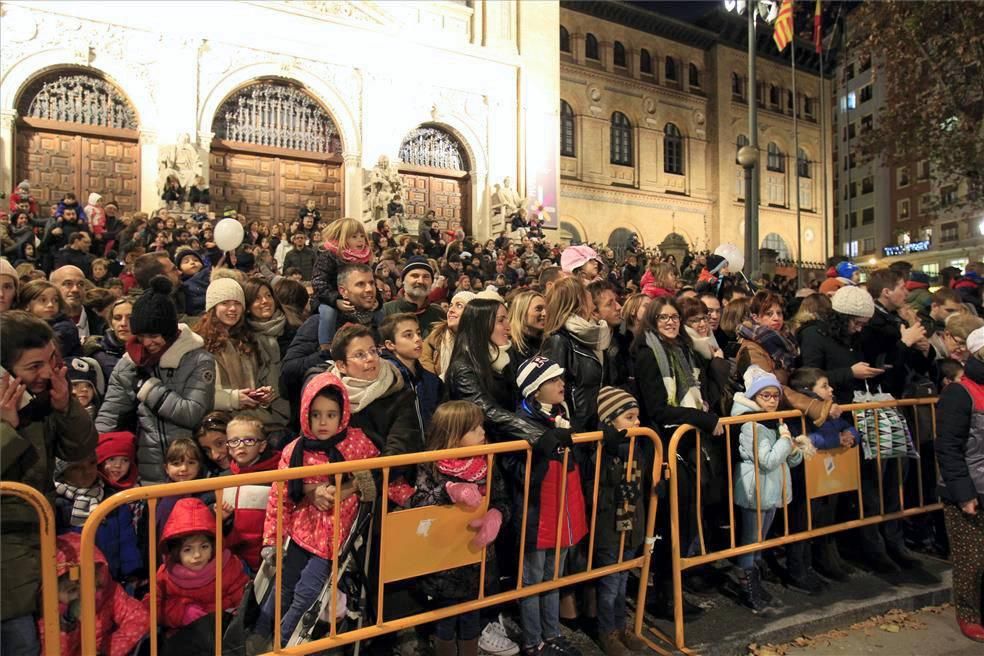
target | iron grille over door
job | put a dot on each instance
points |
(433, 147)
(78, 98)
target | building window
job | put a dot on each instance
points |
(773, 95)
(868, 216)
(850, 131)
(949, 231)
(869, 245)
(853, 223)
(742, 141)
(621, 140)
(948, 196)
(867, 185)
(808, 106)
(760, 94)
(566, 130)
(866, 93)
(694, 76)
(903, 209)
(775, 242)
(903, 173)
(925, 204)
(851, 248)
(852, 100)
(789, 102)
(737, 86)
(802, 164)
(867, 122)
(565, 40)
(931, 269)
(923, 170)
(865, 63)
(591, 47)
(619, 54)
(854, 190)
(849, 72)
(776, 161)
(670, 73)
(672, 150)
(645, 62)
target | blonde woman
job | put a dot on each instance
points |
(438, 346)
(527, 319)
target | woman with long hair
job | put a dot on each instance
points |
(810, 309)
(633, 311)
(733, 315)
(436, 354)
(108, 348)
(527, 319)
(577, 343)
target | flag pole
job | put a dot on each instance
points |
(799, 226)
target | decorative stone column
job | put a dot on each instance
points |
(7, 150)
(352, 185)
(577, 48)
(606, 52)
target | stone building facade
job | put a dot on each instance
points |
(281, 101)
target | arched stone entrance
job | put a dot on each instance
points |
(569, 233)
(619, 241)
(77, 132)
(435, 166)
(275, 148)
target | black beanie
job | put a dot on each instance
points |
(154, 312)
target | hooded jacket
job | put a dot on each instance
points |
(121, 621)
(169, 399)
(310, 528)
(960, 437)
(183, 595)
(244, 527)
(96, 214)
(651, 289)
(194, 287)
(775, 457)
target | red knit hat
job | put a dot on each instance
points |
(111, 445)
(189, 516)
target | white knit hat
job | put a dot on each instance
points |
(223, 289)
(854, 302)
(975, 341)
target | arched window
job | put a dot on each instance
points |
(775, 242)
(737, 86)
(621, 140)
(566, 130)
(694, 76)
(776, 160)
(774, 95)
(565, 39)
(433, 147)
(591, 46)
(803, 164)
(672, 149)
(742, 141)
(77, 96)
(619, 54)
(645, 62)
(620, 240)
(671, 70)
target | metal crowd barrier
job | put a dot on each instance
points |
(49, 575)
(394, 563)
(850, 481)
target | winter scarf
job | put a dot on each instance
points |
(779, 345)
(84, 500)
(266, 334)
(500, 357)
(295, 487)
(596, 335)
(187, 578)
(473, 470)
(349, 255)
(557, 415)
(363, 392)
(447, 346)
(678, 372)
(705, 346)
(140, 356)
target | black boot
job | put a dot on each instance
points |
(750, 590)
(903, 557)
(660, 604)
(827, 561)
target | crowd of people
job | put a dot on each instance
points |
(136, 352)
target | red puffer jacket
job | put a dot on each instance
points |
(121, 620)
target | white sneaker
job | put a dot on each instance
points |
(495, 641)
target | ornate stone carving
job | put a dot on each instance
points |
(183, 162)
(383, 191)
(649, 104)
(505, 200)
(83, 99)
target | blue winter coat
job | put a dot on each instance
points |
(775, 456)
(429, 388)
(116, 538)
(194, 288)
(827, 436)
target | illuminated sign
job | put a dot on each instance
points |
(913, 247)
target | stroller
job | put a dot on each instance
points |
(351, 609)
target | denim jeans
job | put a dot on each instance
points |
(304, 577)
(611, 592)
(540, 614)
(750, 535)
(327, 318)
(19, 636)
(466, 626)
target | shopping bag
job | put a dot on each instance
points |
(884, 431)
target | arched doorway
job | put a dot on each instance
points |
(570, 234)
(77, 132)
(620, 240)
(435, 166)
(275, 148)
(775, 242)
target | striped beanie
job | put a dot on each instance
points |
(612, 402)
(535, 372)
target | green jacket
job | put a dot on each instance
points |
(27, 455)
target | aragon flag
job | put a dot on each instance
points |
(817, 34)
(783, 33)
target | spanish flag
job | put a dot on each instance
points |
(817, 35)
(783, 33)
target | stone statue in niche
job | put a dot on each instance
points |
(181, 163)
(382, 187)
(505, 199)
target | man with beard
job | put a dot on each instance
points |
(40, 420)
(357, 285)
(71, 281)
(418, 277)
(57, 233)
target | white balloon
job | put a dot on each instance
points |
(228, 234)
(730, 252)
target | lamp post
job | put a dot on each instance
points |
(748, 157)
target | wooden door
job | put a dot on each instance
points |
(446, 195)
(57, 163)
(272, 188)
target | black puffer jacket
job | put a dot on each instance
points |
(959, 439)
(498, 403)
(818, 348)
(583, 375)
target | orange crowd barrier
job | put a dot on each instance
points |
(411, 542)
(829, 472)
(49, 576)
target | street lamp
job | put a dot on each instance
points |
(748, 157)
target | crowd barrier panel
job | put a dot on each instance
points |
(49, 575)
(394, 561)
(815, 487)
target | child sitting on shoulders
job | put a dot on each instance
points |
(346, 242)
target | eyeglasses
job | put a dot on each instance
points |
(768, 396)
(362, 356)
(668, 318)
(245, 441)
(693, 321)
